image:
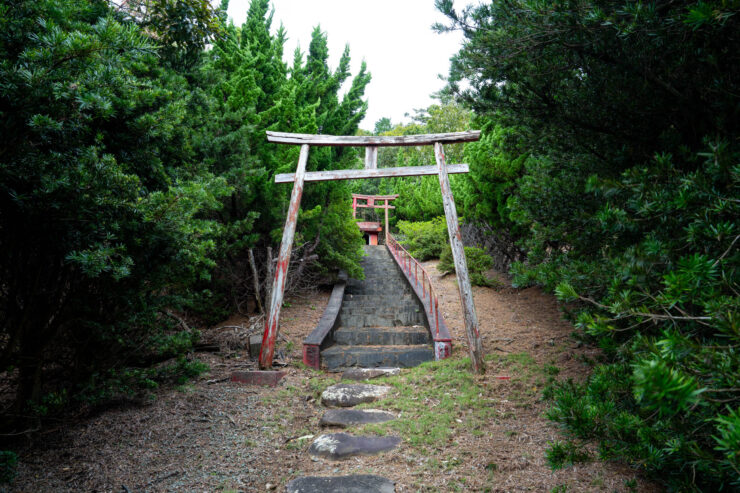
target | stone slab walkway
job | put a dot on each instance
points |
(365, 483)
(339, 446)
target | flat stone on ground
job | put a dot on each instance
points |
(361, 483)
(349, 417)
(368, 373)
(338, 446)
(257, 377)
(348, 395)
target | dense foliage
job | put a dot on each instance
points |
(424, 239)
(136, 185)
(477, 260)
(103, 210)
(611, 152)
(135, 177)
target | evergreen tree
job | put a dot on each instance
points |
(102, 222)
(610, 150)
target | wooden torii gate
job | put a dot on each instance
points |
(371, 144)
(370, 203)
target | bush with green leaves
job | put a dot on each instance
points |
(424, 240)
(478, 262)
(8, 466)
(105, 220)
(135, 176)
(610, 150)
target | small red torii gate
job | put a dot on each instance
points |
(370, 203)
(371, 144)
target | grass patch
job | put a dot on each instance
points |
(433, 400)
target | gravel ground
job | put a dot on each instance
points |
(215, 436)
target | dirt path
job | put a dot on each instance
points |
(212, 435)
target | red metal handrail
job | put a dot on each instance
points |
(405, 260)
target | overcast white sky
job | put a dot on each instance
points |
(394, 37)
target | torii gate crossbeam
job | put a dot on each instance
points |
(371, 171)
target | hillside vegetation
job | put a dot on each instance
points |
(137, 194)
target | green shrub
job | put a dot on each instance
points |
(478, 263)
(424, 240)
(634, 222)
(8, 465)
(563, 454)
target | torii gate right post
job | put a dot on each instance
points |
(372, 171)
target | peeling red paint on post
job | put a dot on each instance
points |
(461, 267)
(312, 355)
(442, 349)
(281, 271)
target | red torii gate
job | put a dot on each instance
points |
(371, 144)
(370, 203)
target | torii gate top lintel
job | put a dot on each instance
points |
(372, 140)
(371, 144)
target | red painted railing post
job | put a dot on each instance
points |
(436, 309)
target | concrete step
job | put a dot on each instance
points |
(397, 284)
(382, 288)
(382, 313)
(382, 336)
(374, 320)
(352, 299)
(395, 293)
(387, 307)
(338, 357)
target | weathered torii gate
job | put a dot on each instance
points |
(371, 144)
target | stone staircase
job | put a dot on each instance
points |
(381, 322)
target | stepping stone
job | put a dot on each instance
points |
(361, 483)
(338, 446)
(257, 377)
(349, 417)
(348, 395)
(368, 373)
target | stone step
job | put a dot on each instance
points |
(378, 277)
(390, 290)
(349, 395)
(375, 281)
(339, 446)
(384, 266)
(358, 299)
(375, 320)
(357, 306)
(381, 310)
(385, 287)
(382, 336)
(339, 357)
(358, 483)
(379, 288)
(351, 417)
(360, 374)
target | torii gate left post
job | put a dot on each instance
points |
(371, 171)
(281, 271)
